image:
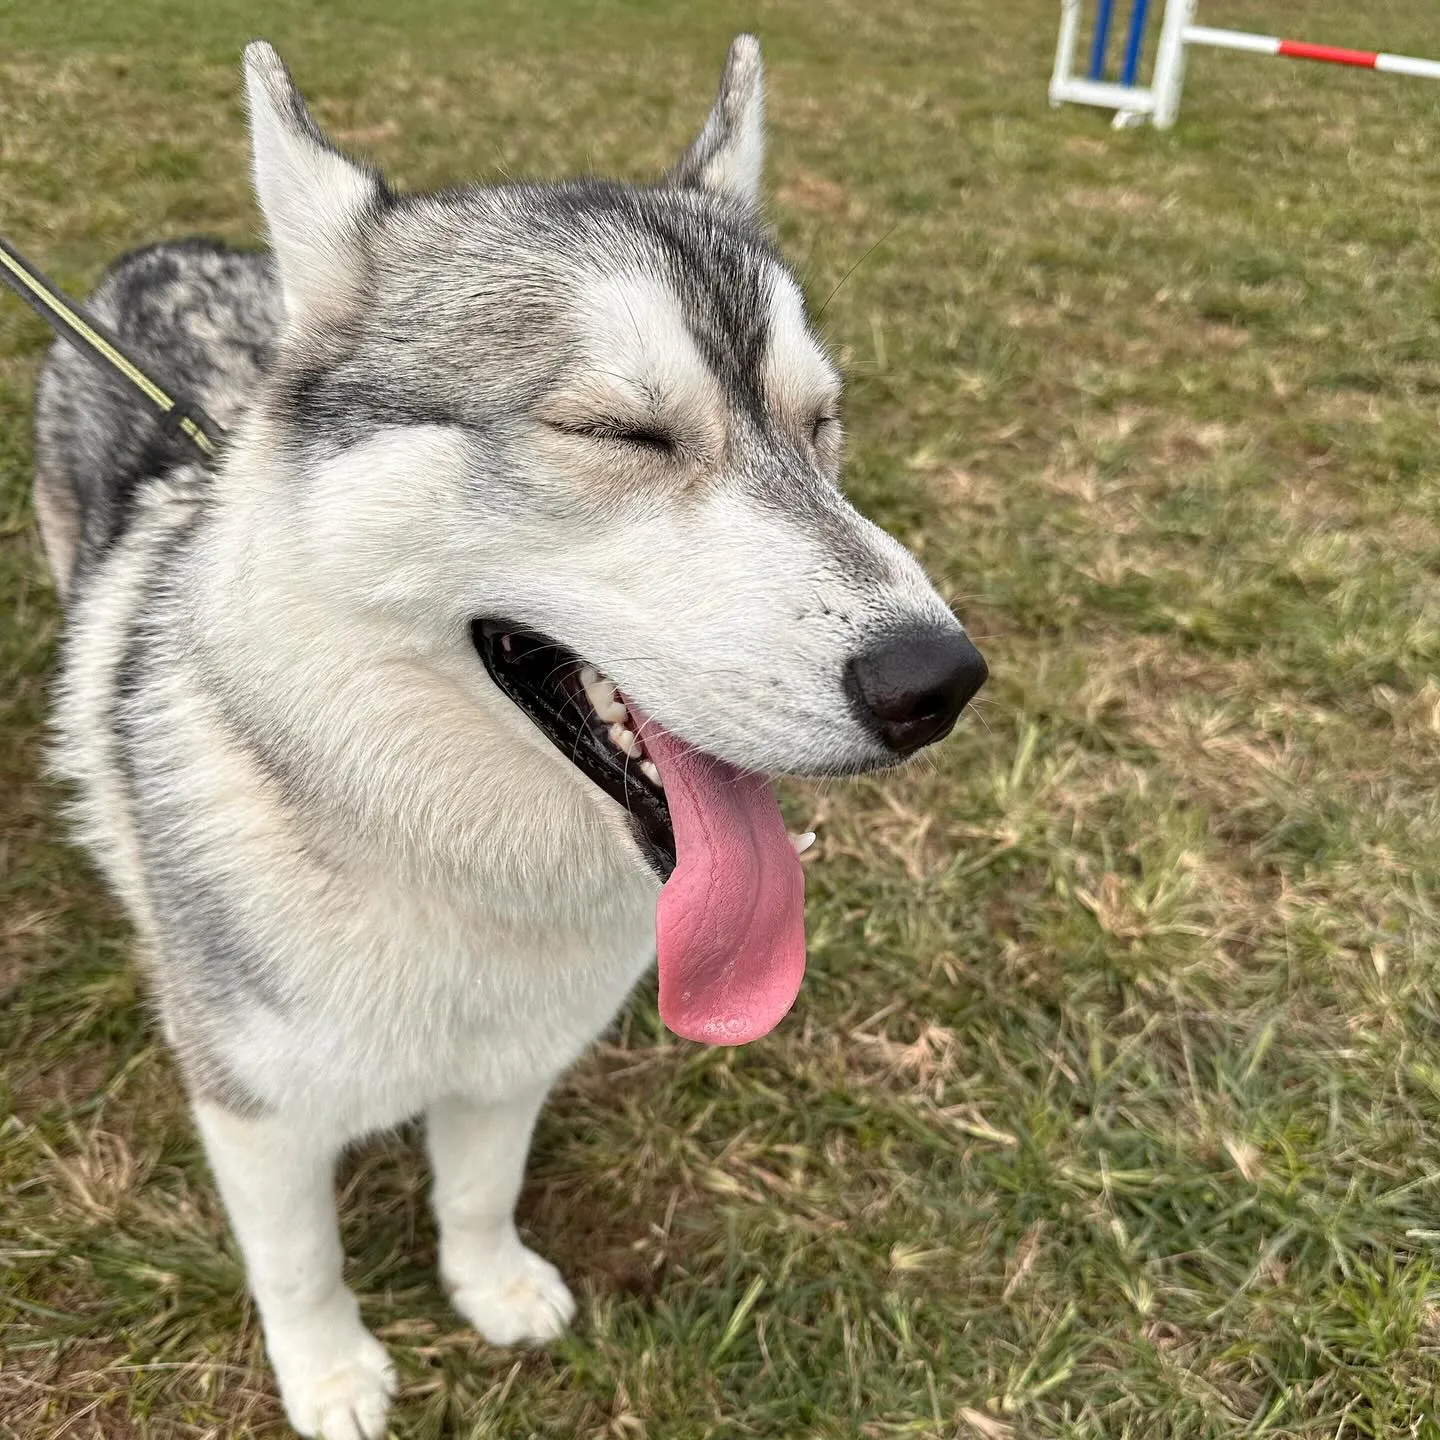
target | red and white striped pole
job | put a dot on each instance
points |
(1179, 33)
(1299, 50)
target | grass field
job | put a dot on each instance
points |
(1112, 1104)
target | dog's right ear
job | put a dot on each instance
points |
(315, 200)
(728, 155)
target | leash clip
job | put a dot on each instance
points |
(181, 417)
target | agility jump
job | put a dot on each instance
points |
(1159, 101)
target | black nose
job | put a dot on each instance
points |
(912, 686)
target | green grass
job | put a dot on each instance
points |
(1112, 1104)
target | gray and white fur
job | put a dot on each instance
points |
(364, 886)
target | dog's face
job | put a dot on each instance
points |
(589, 428)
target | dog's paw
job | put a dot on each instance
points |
(335, 1386)
(520, 1299)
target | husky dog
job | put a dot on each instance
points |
(410, 731)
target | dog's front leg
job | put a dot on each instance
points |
(506, 1291)
(278, 1186)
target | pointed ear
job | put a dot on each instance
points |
(729, 154)
(314, 199)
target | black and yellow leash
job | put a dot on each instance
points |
(179, 414)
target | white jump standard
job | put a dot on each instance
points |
(1160, 100)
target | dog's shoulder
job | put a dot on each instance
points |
(203, 319)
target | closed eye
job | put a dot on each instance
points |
(641, 437)
(820, 426)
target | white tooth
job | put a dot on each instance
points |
(601, 694)
(625, 740)
(505, 643)
(802, 842)
(648, 770)
(588, 676)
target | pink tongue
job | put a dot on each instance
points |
(730, 925)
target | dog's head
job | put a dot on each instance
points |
(599, 412)
(588, 428)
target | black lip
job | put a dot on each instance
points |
(541, 677)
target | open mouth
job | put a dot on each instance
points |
(584, 717)
(730, 918)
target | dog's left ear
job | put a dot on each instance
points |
(315, 200)
(729, 153)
